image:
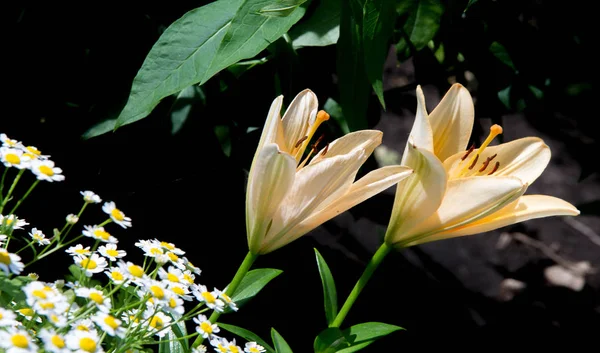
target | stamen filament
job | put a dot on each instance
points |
(495, 168)
(468, 152)
(320, 118)
(495, 130)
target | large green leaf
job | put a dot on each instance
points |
(252, 283)
(500, 52)
(200, 44)
(364, 334)
(247, 335)
(329, 291)
(378, 24)
(279, 343)
(421, 22)
(330, 340)
(321, 28)
(353, 85)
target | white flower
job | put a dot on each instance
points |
(172, 248)
(152, 248)
(158, 291)
(174, 306)
(133, 271)
(174, 275)
(117, 276)
(205, 327)
(53, 342)
(3, 238)
(7, 318)
(17, 341)
(110, 251)
(33, 153)
(116, 215)
(84, 325)
(90, 197)
(209, 298)
(253, 347)
(78, 250)
(181, 290)
(12, 157)
(200, 349)
(157, 323)
(39, 237)
(45, 170)
(91, 265)
(12, 220)
(83, 342)
(56, 319)
(95, 296)
(224, 346)
(109, 324)
(99, 233)
(228, 301)
(10, 262)
(191, 267)
(8, 142)
(72, 218)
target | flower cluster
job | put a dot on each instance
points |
(15, 154)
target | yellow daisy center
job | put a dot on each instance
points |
(19, 340)
(89, 264)
(39, 293)
(178, 290)
(117, 276)
(12, 158)
(110, 321)
(83, 328)
(117, 214)
(34, 150)
(206, 327)
(157, 322)
(44, 169)
(112, 252)
(157, 292)
(47, 305)
(166, 245)
(188, 278)
(173, 278)
(208, 297)
(136, 271)
(4, 258)
(156, 251)
(233, 349)
(172, 257)
(101, 234)
(57, 341)
(26, 311)
(254, 350)
(172, 303)
(87, 344)
(97, 298)
(82, 251)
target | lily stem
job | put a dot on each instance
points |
(231, 288)
(381, 253)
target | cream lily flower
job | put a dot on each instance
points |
(456, 192)
(287, 196)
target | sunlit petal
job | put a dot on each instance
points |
(366, 140)
(298, 117)
(421, 134)
(452, 121)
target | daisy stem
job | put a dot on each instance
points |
(37, 181)
(2, 182)
(383, 250)
(10, 191)
(231, 288)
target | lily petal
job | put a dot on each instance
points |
(366, 140)
(525, 208)
(418, 196)
(298, 117)
(271, 177)
(365, 188)
(421, 133)
(525, 158)
(452, 122)
(272, 130)
(466, 200)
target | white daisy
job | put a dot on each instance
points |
(39, 237)
(200, 349)
(211, 299)
(3, 238)
(33, 153)
(253, 347)
(13, 221)
(109, 324)
(205, 327)
(174, 306)
(173, 275)
(157, 323)
(7, 318)
(85, 325)
(117, 276)
(10, 262)
(158, 291)
(99, 233)
(110, 251)
(12, 157)
(90, 197)
(91, 265)
(17, 341)
(133, 272)
(191, 266)
(224, 297)
(220, 344)
(45, 170)
(83, 342)
(58, 320)
(95, 296)
(172, 248)
(116, 215)
(53, 342)
(181, 290)
(72, 218)
(78, 250)
(8, 142)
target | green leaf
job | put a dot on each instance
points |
(353, 85)
(12, 290)
(171, 344)
(281, 8)
(201, 43)
(364, 334)
(500, 52)
(247, 335)
(378, 25)
(183, 105)
(421, 22)
(330, 340)
(224, 136)
(322, 28)
(100, 128)
(279, 343)
(504, 96)
(252, 283)
(329, 292)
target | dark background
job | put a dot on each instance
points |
(69, 67)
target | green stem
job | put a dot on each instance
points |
(2, 183)
(10, 191)
(37, 181)
(383, 250)
(231, 288)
